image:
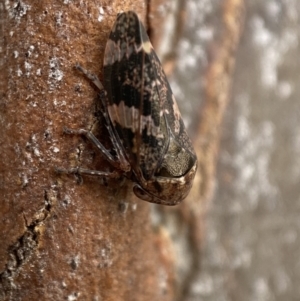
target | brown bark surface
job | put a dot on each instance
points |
(60, 240)
(95, 241)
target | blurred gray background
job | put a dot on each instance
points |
(252, 248)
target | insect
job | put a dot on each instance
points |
(151, 146)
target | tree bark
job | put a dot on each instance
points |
(61, 240)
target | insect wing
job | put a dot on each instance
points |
(136, 94)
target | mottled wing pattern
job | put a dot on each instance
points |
(136, 92)
(171, 110)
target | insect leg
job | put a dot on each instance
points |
(94, 78)
(91, 137)
(123, 163)
(120, 153)
(79, 170)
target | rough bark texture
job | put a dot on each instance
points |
(95, 241)
(61, 240)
